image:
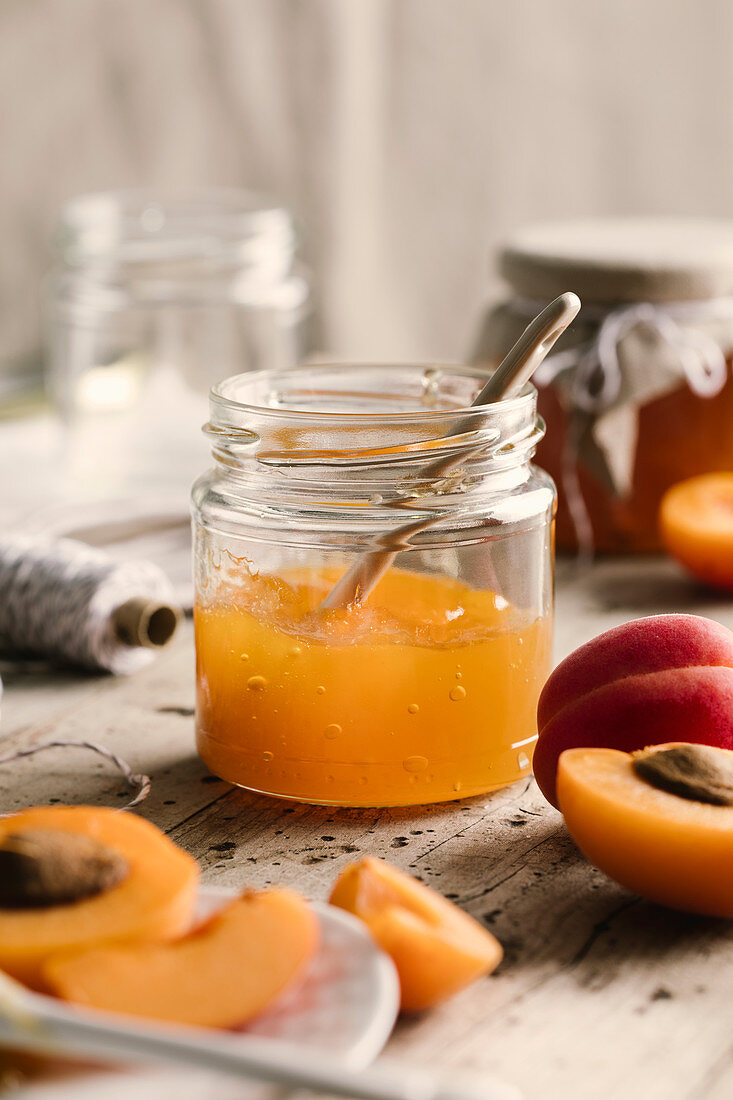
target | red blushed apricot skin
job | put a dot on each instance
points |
(653, 680)
(651, 644)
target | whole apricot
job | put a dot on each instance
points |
(696, 526)
(675, 849)
(649, 681)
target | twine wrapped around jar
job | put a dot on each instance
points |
(623, 354)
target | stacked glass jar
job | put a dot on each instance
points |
(151, 300)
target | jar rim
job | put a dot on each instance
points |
(327, 457)
(220, 400)
(142, 224)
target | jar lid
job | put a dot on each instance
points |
(622, 259)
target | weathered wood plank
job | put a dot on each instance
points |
(600, 994)
(148, 719)
(589, 969)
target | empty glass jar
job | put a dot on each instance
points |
(153, 298)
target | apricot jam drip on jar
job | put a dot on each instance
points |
(427, 690)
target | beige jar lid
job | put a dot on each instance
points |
(622, 259)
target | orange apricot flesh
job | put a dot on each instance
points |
(696, 525)
(437, 949)
(220, 975)
(154, 901)
(666, 848)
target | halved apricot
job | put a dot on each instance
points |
(696, 526)
(646, 681)
(436, 947)
(222, 974)
(153, 900)
(674, 850)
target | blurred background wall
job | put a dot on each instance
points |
(409, 136)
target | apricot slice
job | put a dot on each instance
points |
(436, 947)
(220, 975)
(674, 850)
(696, 526)
(152, 898)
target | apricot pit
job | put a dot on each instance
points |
(44, 867)
(697, 772)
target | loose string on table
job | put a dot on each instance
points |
(135, 780)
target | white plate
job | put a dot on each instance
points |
(344, 1007)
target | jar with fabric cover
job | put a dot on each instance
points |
(638, 394)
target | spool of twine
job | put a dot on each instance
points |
(72, 604)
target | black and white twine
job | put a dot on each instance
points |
(57, 599)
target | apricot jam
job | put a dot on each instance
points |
(421, 683)
(428, 692)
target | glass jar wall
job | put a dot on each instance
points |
(424, 690)
(151, 300)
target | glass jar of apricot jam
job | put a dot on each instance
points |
(425, 688)
(638, 394)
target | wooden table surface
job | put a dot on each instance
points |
(599, 995)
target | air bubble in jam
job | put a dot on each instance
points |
(320, 690)
(457, 693)
(268, 757)
(257, 683)
(332, 731)
(415, 763)
(244, 656)
(412, 708)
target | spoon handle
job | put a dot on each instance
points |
(29, 1022)
(523, 359)
(509, 378)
